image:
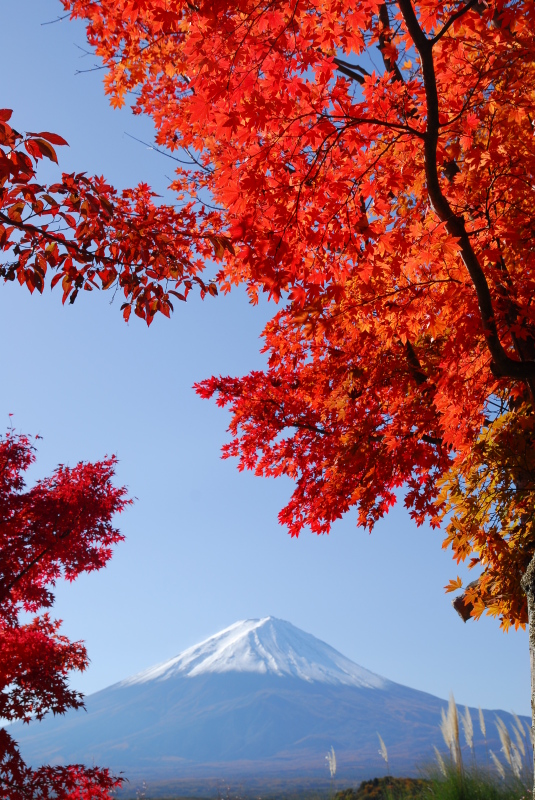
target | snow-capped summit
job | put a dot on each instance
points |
(264, 646)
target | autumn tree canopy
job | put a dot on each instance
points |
(58, 528)
(371, 167)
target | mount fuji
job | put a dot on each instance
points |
(261, 697)
(266, 646)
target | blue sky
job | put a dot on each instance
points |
(203, 546)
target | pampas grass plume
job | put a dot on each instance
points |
(498, 764)
(482, 724)
(468, 727)
(519, 739)
(445, 728)
(505, 740)
(516, 761)
(331, 760)
(454, 718)
(383, 752)
(440, 761)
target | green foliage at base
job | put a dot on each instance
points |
(387, 788)
(473, 785)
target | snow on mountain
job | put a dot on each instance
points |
(267, 646)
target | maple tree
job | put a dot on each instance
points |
(370, 166)
(60, 527)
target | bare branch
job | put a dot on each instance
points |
(384, 39)
(352, 71)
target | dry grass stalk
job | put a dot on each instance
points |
(516, 761)
(383, 752)
(331, 761)
(440, 761)
(498, 764)
(505, 740)
(452, 709)
(519, 736)
(482, 724)
(518, 722)
(513, 746)
(445, 729)
(452, 714)
(449, 725)
(468, 727)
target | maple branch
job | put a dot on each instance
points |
(27, 227)
(410, 287)
(414, 364)
(254, 21)
(394, 126)
(502, 365)
(458, 14)
(307, 427)
(352, 71)
(53, 21)
(85, 254)
(436, 440)
(384, 39)
(159, 150)
(293, 423)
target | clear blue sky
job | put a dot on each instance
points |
(203, 546)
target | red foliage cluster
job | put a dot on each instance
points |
(59, 528)
(89, 236)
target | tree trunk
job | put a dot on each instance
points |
(528, 585)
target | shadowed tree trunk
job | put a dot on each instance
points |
(528, 585)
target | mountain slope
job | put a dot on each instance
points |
(260, 697)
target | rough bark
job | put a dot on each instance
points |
(528, 585)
